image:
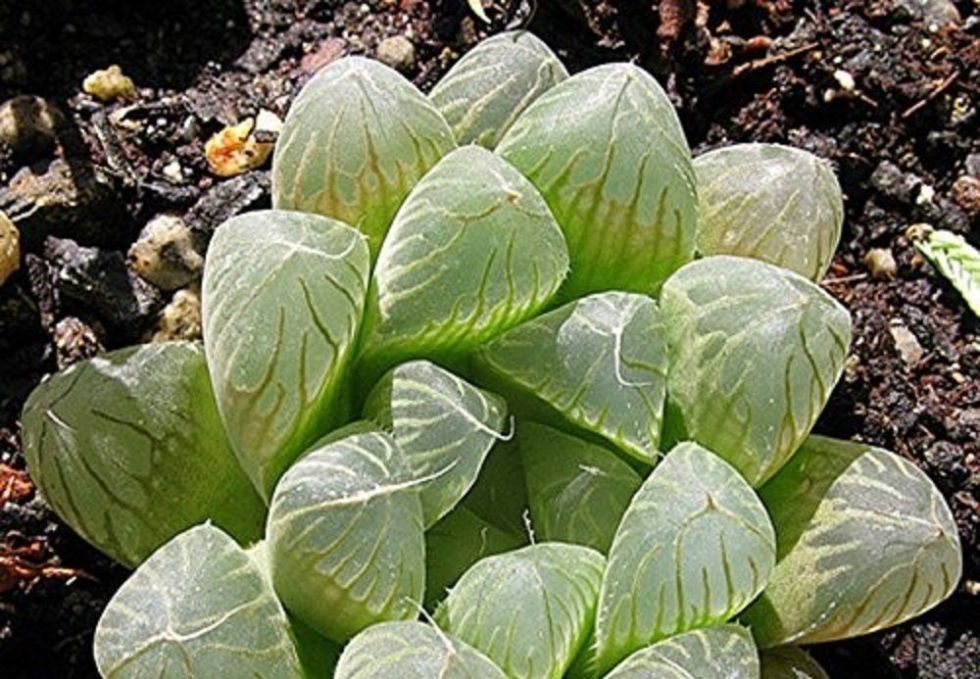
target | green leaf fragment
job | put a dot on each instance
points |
(755, 351)
(866, 541)
(457, 542)
(578, 491)
(530, 610)
(600, 363)
(473, 251)
(723, 652)
(771, 202)
(444, 426)
(790, 662)
(198, 607)
(345, 536)
(694, 548)
(356, 140)
(412, 650)
(957, 261)
(607, 151)
(129, 450)
(283, 296)
(499, 496)
(484, 92)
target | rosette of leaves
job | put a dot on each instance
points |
(478, 410)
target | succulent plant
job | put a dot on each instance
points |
(493, 386)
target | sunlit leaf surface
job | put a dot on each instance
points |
(694, 548)
(600, 363)
(283, 296)
(484, 92)
(724, 652)
(345, 536)
(866, 541)
(412, 650)
(775, 203)
(473, 251)
(578, 491)
(444, 426)
(356, 140)
(755, 351)
(606, 149)
(128, 448)
(198, 607)
(529, 610)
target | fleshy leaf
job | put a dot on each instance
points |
(723, 652)
(499, 495)
(790, 662)
(599, 363)
(198, 607)
(866, 541)
(444, 426)
(345, 536)
(412, 650)
(694, 548)
(578, 490)
(129, 450)
(608, 153)
(755, 351)
(529, 610)
(356, 140)
(776, 203)
(283, 295)
(484, 92)
(473, 251)
(457, 542)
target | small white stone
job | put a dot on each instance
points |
(845, 80)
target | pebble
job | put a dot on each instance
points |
(328, 52)
(165, 253)
(243, 147)
(906, 342)
(845, 80)
(181, 318)
(9, 248)
(108, 84)
(397, 52)
(100, 279)
(932, 12)
(28, 125)
(74, 341)
(973, 165)
(966, 193)
(881, 263)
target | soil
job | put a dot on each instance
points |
(888, 94)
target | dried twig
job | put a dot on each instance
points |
(773, 59)
(936, 91)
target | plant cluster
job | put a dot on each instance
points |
(506, 359)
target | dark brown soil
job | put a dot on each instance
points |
(761, 70)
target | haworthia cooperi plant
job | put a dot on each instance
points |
(468, 406)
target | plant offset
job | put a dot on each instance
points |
(506, 385)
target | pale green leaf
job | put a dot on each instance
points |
(473, 251)
(457, 542)
(499, 495)
(599, 363)
(129, 450)
(345, 536)
(283, 294)
(356, 140)
(775, 203)
(608, 153)
(723, 652)
(412, 650)
(755, 351)
(694, 548)
(866, 541)
(578, 491)
(957, 261)
(790, 662)
(444, 426)
(530, 610)
(198, 607)
(484, 92)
